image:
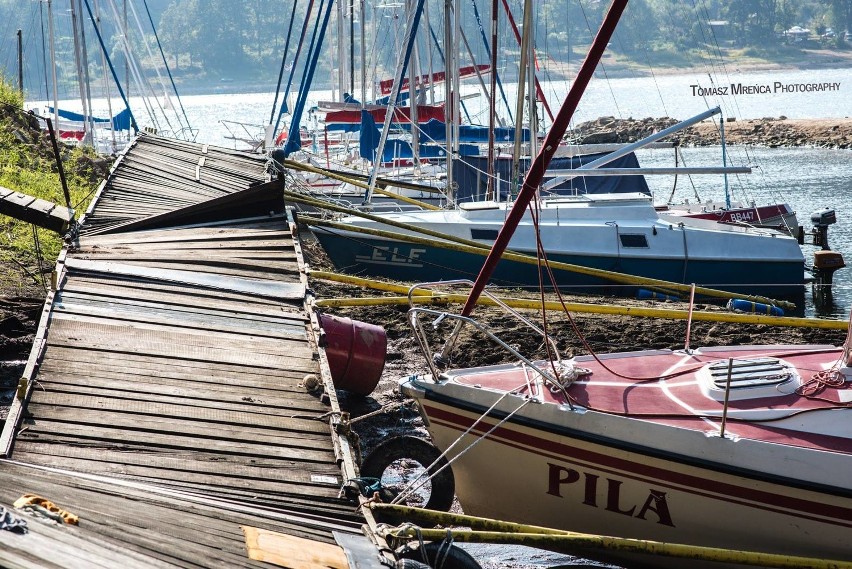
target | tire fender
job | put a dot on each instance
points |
(414, 448)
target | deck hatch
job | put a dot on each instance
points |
(749, 372)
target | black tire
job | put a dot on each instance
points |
(440, 557)
(413, 448)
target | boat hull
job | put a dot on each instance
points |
(364, 255)
(591, 474)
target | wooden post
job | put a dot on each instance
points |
(20, 63)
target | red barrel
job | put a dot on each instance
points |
(356, 353)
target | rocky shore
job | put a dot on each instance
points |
(769, 132)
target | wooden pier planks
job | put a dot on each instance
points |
(174, 357)
(34, 210)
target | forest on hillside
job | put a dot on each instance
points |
(207, 42)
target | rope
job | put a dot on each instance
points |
(410, 488)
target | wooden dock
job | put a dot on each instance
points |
(164, 400)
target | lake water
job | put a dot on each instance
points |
(806, 178)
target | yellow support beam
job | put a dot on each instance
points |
(355, 182)
(522, 303)
(484, 530)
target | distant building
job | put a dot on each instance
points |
(719, 28)
(797, 34)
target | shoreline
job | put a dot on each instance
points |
(834, 133)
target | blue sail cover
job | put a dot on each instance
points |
(369, 141)
(436, 131)
(401, 149)
(471, 174)
(121, 121)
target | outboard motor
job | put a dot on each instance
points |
(826, 261)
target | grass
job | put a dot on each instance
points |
(27, 165)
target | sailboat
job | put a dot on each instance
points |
(742, 448)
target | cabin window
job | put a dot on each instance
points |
(489, 234)
(633, 240)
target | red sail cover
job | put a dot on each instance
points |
(438, 77)
(401, 115)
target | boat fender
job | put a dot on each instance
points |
(741, 305)
(436, 554)
(645, 294)
(422, 452)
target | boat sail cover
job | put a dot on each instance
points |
(470, 173)
(121, 121)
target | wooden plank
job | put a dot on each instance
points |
(289, 354)
(109, 378)
(238, 443)
(170, 367)
(284, 244)
(193, 428)
(246, 260)
(294, 463)
(36, 211)
(242, 403)
(83, 329)
(275, 232)
(43, 404)
(205, 379)
(171, 321)
(284, 272)
(175, 294)
(165, 469)
(272, 289)
(181, 304)
(19, 200)
(289, 551)
(254, 351)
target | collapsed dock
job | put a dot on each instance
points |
(165, 401)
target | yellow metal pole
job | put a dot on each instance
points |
(522, 303)
(357, 183)
(573, 543)
(467, 246)
(361, 177)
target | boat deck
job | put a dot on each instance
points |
(166, 404)
(774, 390)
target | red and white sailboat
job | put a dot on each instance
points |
(743, 448)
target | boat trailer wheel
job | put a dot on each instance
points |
(415, 449)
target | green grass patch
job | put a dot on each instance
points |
(27, 165)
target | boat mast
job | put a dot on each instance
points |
(448, 96)
(529, 36)
(363, 56)
(724, 161)
(53, 63)
(412, 23)
(548, 149)
(429, 56)
(107, 92)
(538, 90)
(519, 109)
(412, 103)
(492, 104)
(87, 80)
